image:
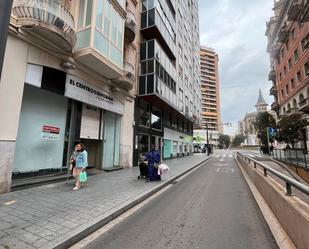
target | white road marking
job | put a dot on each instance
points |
(217, 155)
(230, 155)
(224, 155)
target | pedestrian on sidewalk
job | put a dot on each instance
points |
(73, 159)
(81, 163)
(153, 157)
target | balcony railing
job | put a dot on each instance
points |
(130, 27)
(304, 105)
(283, 34)
(272, 75)
(273, 91)
(275, 106)
(294, 11)
(49, 19)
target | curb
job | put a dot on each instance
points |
(78, 237)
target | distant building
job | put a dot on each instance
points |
(288, 42)
(246, 126)
(210, 89)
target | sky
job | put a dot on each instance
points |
(236, 30)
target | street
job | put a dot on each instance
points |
(210, 208)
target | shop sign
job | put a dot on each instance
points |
(50, 132)
(83, 91)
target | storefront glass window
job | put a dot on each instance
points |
(144, 117)
(143, 144)
(156, 119)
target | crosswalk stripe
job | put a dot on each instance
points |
(224, 156)
(230, 155)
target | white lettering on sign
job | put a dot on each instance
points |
(83, 91)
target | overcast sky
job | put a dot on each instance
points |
(236, 30)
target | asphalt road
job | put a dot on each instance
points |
(212, 208)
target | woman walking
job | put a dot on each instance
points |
(81, 163)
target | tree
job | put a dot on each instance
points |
(224, 141)
(262, 121)
(290, 129)
(238, 139)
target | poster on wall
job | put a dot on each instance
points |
(50, 132)
(167, 148)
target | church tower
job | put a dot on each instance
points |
(261, 105)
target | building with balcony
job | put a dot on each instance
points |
(287, 32)
(210, 91)
(168, 103)
(70, 75)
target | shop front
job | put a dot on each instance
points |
(59, 110)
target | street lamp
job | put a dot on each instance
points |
(5, 13)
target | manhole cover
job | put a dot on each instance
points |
(225, 170)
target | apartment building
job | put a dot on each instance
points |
(168, 103)
(288, 42)
(69, 75)
(210, 92)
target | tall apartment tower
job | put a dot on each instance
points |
(69, 76)
(168, 102)
(288, 46)
(210, 90)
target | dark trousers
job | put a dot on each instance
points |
(143, 169)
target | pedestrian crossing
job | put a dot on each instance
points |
(224, 155)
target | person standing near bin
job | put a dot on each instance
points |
(153, 157)
(81, 163)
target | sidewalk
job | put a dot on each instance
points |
(55, 216)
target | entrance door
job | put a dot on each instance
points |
(111, 146)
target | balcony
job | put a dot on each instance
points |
(283, 34)
(47, 19)
(130, 26)
(304, 105)
(275, 107)
(272, 75)
(294, 11)
(127, 81)
(305, 14)
(273, 91)
(274, 50)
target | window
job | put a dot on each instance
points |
(298, 76)
(282, 93)
(280, 76)
(282, 53)
(144, 114)
(287, 89)
(306, 67)
(292, 83)
(303, 43)
(156, 119)
(290, 64)
(296, 55)
(293, 34)
(84, 13)
(284, 71)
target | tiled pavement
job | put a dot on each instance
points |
(53, 215)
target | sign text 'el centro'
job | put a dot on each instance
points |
(83, 91)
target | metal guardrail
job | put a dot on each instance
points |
(294, 157)
(289, 182)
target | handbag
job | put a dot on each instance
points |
(83, 176)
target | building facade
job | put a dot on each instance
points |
(246, 126)
(168, 102)
(210, 89)
(288, 45)
(69, 76)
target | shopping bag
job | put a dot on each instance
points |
(83, 176)
(162, 168)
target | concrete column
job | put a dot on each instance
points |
(11, 92)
